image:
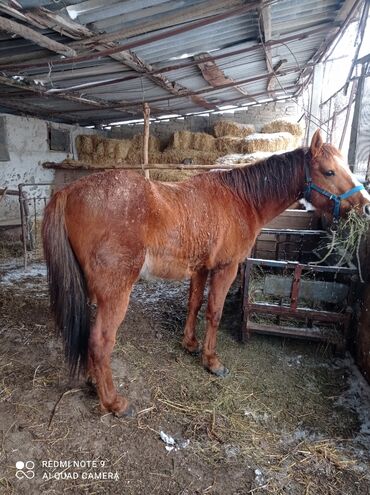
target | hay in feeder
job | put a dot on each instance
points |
(186, 140)
(277, 141)
(229, 128)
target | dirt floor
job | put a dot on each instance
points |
(289, 419)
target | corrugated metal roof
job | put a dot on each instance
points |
(159, 68)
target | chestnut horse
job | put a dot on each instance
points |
(103, 231)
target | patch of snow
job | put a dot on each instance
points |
(259, 477)
(172, 443)
(13, 277)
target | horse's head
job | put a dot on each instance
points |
(330, 185)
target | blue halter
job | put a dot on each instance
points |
(336, 198)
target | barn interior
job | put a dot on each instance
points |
(171, 89)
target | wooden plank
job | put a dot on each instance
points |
(300, 313)
(294, 332)
(27, 33)
(146, 110)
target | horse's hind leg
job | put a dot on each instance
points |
(111, 312)
(220, 283)
(197, 284)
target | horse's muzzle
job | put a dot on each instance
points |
(366, 210)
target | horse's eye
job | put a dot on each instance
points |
(329, 173)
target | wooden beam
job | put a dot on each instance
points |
(212, 73)
(30, 86)
(146, 111)
(27, 33)
(266, 31)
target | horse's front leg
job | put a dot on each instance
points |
(220, 283)
(197, 284)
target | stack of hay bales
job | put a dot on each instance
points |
(101, 152)
(199, 148)
(228, 128)
(232, 143)
(97, 150)
(243, 145)
(285, 125)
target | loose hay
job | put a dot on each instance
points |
(243, 159)
(186, 140)
(227, 128)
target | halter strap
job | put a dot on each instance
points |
(336, 198)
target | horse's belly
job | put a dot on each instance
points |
(164, 267)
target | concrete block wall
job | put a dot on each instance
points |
(28, 146)
(258, 115)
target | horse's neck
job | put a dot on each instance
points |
(278, 192)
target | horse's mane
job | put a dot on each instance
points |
(272, 178)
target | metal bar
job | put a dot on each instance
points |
(312, 268)
(196, 92)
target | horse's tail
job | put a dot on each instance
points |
(67, 285)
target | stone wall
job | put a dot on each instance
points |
(27, 143)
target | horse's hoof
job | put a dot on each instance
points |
(129, 412)
(193, 351)
(221, 371)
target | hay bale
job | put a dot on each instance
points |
(186, 140)
(84, 145)
(137, 143)
(197, 157)
(228, 144)
(229, 128)
(121, 148)
(284, 125)
(277, 141)
(172, 175)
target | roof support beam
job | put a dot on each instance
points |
(266, 33)
(212, 73)
(141, 42)
(29, 34)
(125, 57)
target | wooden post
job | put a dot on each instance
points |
(146, 110)
(314, 116)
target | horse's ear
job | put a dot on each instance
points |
(316, 143)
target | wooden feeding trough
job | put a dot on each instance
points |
(295, 298)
